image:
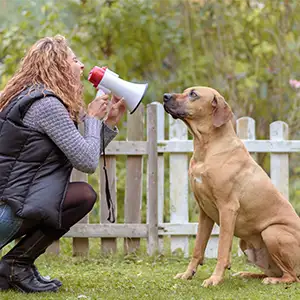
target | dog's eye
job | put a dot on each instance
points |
(193, 94)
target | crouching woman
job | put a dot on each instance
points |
(40, 108)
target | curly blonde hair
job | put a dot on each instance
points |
(46, 63)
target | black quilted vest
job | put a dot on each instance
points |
(34, 172)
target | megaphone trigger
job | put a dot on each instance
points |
(100, 92)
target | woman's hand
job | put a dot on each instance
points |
(117, 110)
(98, 107)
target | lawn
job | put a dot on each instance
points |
(141, 277)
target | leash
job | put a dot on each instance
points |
(110, 204)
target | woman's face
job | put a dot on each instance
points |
(76, 65)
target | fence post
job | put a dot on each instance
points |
(279, 131)
(160, 171)
(80, 245)
(245, 128)
(152, 179)
(53, 248)
(134, 178)
(178, 185)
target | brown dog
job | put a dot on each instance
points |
(233, 191)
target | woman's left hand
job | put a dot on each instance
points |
(116, 112)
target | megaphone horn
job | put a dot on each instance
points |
(107, 81)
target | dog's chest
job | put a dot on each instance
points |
(202, 190)
(200, 187)
(198, 178)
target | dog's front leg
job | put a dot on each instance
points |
(227, 224)
(205, 226)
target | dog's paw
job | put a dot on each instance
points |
(186, 275)
(270, 280)
(212, 280)
(276, 280)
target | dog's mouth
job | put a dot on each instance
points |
(175, 112)
(169, 111)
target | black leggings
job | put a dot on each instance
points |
(79, 201)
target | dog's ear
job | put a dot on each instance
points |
(221, 111)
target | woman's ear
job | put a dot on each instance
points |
(221, 111)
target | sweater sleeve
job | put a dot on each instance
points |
(49, 116)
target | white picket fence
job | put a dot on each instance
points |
(179, 148)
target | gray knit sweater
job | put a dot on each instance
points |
(49, 116)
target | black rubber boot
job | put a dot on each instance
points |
(16, 267)
(43, 279)
(22, 278)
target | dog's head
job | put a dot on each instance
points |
(199, 103)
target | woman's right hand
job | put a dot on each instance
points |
(98, 107)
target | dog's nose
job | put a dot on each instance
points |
(167, 97)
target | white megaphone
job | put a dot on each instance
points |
(106, 81)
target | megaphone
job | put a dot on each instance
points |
(106, 81)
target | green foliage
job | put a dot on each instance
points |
(247, 51)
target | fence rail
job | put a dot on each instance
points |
(178, 147)
(184, 146)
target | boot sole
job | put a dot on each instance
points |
(16, 287)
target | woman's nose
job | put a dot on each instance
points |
(81, 65)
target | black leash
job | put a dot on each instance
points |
(110, 204)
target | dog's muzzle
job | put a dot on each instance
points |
(172, 107)
(167, 98)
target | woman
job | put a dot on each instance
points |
(40, 108)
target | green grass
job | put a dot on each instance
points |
(141, 277)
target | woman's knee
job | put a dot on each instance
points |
(80, 194)
(90, 195)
